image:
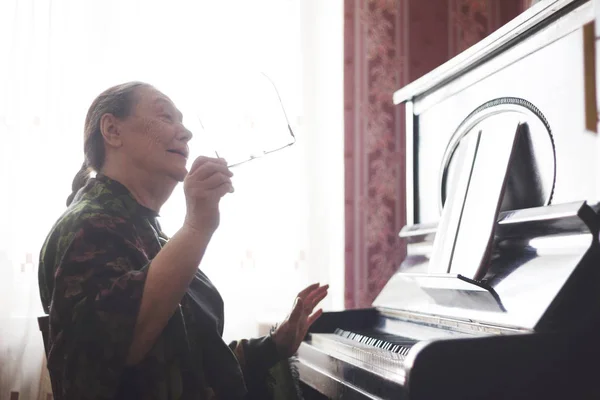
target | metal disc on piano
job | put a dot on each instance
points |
(531, 180)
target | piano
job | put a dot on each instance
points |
(499, 294)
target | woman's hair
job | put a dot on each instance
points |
(118, 101)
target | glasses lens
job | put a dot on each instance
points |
(244, 118)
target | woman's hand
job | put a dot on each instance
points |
(292, 330)
(209, 179)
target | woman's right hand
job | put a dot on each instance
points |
(209, 179)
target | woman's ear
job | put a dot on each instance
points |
(109, 126)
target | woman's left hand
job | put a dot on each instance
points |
(292, 330)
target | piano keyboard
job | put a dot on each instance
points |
(395, 344)
(380, 350)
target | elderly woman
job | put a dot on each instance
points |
(131, 314)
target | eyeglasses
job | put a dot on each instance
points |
(262, 153)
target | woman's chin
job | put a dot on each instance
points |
(178, 173)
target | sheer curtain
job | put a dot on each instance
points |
(280, 230)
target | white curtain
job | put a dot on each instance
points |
(280, 230)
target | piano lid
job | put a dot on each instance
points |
(535, 253)
(514, 31)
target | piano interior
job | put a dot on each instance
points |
(498, 295)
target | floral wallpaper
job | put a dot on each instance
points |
(389, 43)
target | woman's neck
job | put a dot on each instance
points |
(148, 190)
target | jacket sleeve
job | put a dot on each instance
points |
(98, 286)
(256, 356)
(266, 373)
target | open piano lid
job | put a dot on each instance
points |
(538, 255)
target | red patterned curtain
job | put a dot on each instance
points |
(389, 43)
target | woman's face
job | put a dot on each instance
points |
(153, 136)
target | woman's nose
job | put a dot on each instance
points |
(184, 134)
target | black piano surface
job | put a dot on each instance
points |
(525, 326)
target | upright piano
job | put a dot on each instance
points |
(499, 294)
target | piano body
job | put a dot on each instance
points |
(499, 295)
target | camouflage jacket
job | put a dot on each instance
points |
(92, 270)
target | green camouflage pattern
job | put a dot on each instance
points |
(92, 270)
